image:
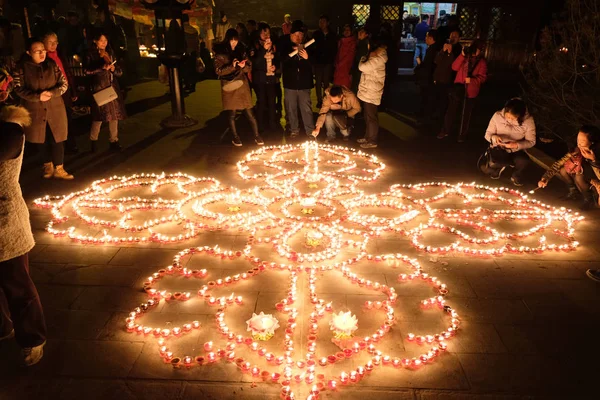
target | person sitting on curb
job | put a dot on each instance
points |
(579, 167)
(340, 106)
(510, 132)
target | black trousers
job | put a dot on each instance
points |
(456, 110)
(372, 122)
(251, 119)
(265, 105)
(20, 306)
(323, 75)
(519, 160)
(440, 93)
(53, 152)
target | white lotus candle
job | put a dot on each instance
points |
(343, 324)
(262, 326)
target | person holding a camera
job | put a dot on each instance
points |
(232, 65)
(471, 73)
(510, 132)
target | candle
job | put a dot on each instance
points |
(262, 326)
(308, 202)
(343, 324)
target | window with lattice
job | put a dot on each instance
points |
(495, 29)
(468, 22)
(390, 13)
(361, 13)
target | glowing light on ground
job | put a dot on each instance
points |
(310, 207)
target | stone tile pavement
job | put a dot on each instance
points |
(530, 322)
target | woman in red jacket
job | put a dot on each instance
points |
(471, 73)
(345, 58)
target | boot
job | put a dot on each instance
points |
(48, 170)
(572, 195)
(236, 139)
(60, 173)
(115, 146)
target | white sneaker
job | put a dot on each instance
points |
(361, 140)
(368, 145)
(9, 336)
(33, 355)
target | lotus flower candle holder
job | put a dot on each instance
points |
(262, 326)
(343, 325)
(314, 238)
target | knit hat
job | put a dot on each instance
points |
(297, 26)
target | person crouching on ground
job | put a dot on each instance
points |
(370, 90)
(510, 132)
(232, 65)
(579, 169)
(21, 313)
(40, 88)
(340, 106)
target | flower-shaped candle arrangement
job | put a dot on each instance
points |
(307, 175)
(262, 326)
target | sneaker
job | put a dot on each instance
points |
(60, 173)
(48, 170)
(442, 135)
(32, 355)
(294, 134)
(259, 141)
(593, 274)
(237, 141)
(9, 336)
(496, 174)
(361, 140)
(368, 145)
(516, 181)
(115, 146)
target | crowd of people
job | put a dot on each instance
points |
(349, 73)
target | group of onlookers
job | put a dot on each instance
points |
(342, 70)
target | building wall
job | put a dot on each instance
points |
(272, 11)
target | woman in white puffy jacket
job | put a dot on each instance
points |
(510, 132)
(370, 90)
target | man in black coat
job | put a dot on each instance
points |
(424, 72)
(326, 43)
(297, 79)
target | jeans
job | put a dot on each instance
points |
(333, 120)
(323, 74)
(293, 100)
(113, 127)
(53, 152)
(457, 98)
(420, 50)
(265, 94)
(518, 159)
(372, 122)
(20, 306)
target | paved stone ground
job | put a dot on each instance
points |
(529, 327)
